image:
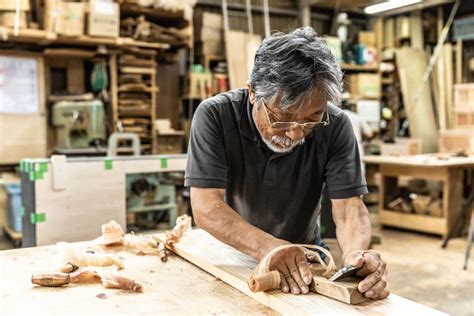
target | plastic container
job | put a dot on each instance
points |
(14, 206)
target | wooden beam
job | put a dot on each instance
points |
(304, 12)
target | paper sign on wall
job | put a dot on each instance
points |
(19, 92)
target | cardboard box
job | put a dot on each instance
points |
(364, 85)
(104, 18)
(366, 38)
(464, 119)
(402, 147)
(10, 5)
(7, 18)
(170, 144)
(456, 140)
(70, 18)
(464, 96)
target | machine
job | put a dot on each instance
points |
(79, 124)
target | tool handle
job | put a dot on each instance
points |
(51, 279)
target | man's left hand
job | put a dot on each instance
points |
(374, 285)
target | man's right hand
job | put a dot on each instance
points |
(294, 269)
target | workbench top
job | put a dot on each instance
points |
(174, 287)
(426, 160)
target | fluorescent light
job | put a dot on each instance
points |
(389, 5)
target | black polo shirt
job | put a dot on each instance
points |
(279, 193)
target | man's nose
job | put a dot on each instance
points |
(295, 133)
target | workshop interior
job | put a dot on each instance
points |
(112, 113)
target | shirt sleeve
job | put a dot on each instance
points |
(343, 172)
(207, 163)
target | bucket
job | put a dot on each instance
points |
(14, 206)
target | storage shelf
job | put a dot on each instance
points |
(418, 222)
(155, 15)
(41, 37)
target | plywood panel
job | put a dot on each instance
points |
(22, 136)
(240, 52)
(92, 196)
(411, 64)
(233, 267)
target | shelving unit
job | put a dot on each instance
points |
(133, 72)
(45, 38)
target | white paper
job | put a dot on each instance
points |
(18, 85)
(369, 110)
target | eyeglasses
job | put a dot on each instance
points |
(290, 125)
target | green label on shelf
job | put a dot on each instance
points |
(22, 211)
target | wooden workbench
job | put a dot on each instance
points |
(175, 287)
(449, 172)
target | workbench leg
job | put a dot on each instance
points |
(469, 239)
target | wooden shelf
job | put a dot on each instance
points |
(350, 67)
(156, 15)
(423, 223)
(44, 38)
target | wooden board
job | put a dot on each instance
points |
(234, 268)
(416, 29)
(173, 288)
(240, 53)
(411, 64)
(428, 162)
(24, 135)
(449, 82)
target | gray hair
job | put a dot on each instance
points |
(290, 66)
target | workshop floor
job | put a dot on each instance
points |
(420, 270)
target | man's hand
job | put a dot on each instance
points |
(294, 269)
(374, 286)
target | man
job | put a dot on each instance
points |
(259, 158)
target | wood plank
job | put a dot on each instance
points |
(416, 29)
(424, 161)
(411, 64)
(389, 33)
(423, 223)
(240, 51)
(234, 268)
(441, 106)
(43, 38)
(113, 90)
(69, 52)
(459, 61)
(449, 83)
(137, 70)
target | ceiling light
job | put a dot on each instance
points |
(389, 5)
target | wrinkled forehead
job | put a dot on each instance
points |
(311, 102)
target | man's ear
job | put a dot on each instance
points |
(251, 93)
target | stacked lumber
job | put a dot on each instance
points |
(137, 94)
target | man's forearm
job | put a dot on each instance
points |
(225, 224)
(353, 229)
